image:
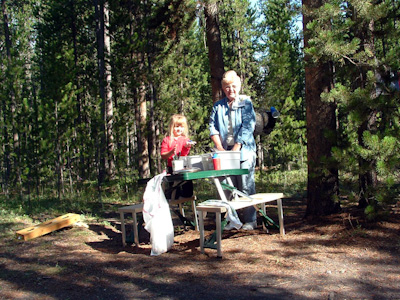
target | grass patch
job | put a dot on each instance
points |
(291, 183)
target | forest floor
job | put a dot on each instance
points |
(341, 257)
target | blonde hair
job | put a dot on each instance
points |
(230, 77)
(178, 119)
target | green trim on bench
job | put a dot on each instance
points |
(268, 222)
(212, 240)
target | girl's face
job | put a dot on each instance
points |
(178, 129)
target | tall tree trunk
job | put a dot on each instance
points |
(6, 146)
(35, 141)
(153, 147)
(99, 13)
(368, 178)
(321, 132)
(78, 121)
(58, 162)
(215, 55)
(10, 87)
(108, 94)
(144, 165)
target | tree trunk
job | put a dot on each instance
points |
(144, 166)
(13, 107)
(57, 150)
(78, 120)
(321, 133)
(368, 178)
(153, 146)
(109, 113)
(99, 11)
(6, 146)
(215, 54)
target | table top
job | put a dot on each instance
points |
(205, 174)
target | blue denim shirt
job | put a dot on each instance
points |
(243, 123)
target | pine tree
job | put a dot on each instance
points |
(322, 185)
(360, 40)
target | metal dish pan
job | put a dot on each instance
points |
(191, 170)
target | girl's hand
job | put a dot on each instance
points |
(174, 150)
(190, 143)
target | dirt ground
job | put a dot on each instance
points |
(340, 258)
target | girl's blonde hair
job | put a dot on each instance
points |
(178, 119)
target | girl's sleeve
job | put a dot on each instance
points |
(165, 145)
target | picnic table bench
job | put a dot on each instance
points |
(238, 203)
(135, 209)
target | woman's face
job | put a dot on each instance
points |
(231, 90)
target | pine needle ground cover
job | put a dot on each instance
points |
(344, 256)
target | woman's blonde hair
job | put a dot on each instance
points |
(230, 77)
(178, 119)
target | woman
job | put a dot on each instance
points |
(232, 124)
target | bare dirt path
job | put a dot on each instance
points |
(341, 258)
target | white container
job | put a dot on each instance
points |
(178, 164)
(229, 159)
(194, 161)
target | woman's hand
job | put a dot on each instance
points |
(237, 147)
(217, 142)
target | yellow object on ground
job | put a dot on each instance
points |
(48, 226)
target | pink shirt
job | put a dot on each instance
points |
(181, 147)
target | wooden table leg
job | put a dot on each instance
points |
(219, 233)
(280, 217)
(196, 221)
(201, 228)
(135, 228)
(121, 214)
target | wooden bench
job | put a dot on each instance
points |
(242, 202)
(138, 208)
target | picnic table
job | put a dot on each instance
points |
(240, 200)
(178, 179)
(217, 177)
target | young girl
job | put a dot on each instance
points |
(177, 143)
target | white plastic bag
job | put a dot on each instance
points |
(231, 214)
(157, 216)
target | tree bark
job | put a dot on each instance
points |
(108, 95)
(99, 14)
(215, 54)
(6, 146)
(13, 106)
(144, 165)
(368, 177)
(321, 132)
